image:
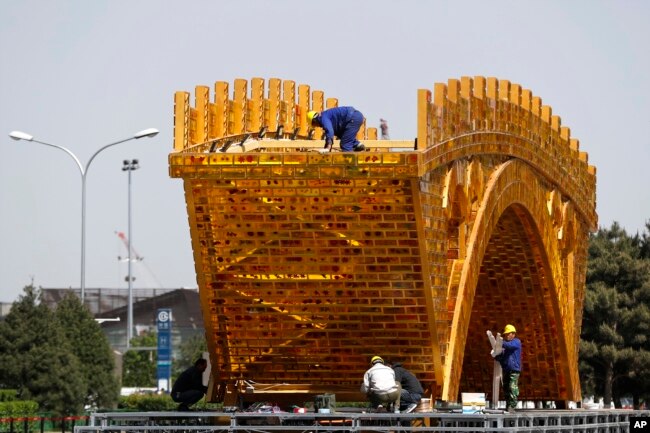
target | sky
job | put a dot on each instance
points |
(82, 74)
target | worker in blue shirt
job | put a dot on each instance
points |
(510, 360)
(343, 122)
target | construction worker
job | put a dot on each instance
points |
(380, 386)
(343, 122)
(510, 360)
(188, 388)
(411, 392)
(383, 126)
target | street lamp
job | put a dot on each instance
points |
(130, 166)
(83, 170)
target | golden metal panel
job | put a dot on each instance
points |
(289, 99)
(273, 111)
(181, 120)
(310, 263)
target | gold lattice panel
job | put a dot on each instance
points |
(308, 263)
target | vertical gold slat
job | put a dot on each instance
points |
(256, 105)
(503, 105)
(504, 90)
(478, 104)
(238, 110)
(201, 98)
(221, 114)
(317, 100)
(491, 102)
(424, 131)
(318, 104)
(526, 113)
(453, 90)
(272, 114)
(453, 99)
(547, 113)
(192, 134)
(212, 120)
(440, 124)
(467, 103)
(545, 126)
(515, 124)
(181, 120)
(526, 99)
(302, 108)
(556, 123)
(536, 119)
(466, 87)
(565, 133)
(289, 98)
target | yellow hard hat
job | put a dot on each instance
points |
(376, 359)
(508, 329)
(310, 116)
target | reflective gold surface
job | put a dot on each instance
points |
(308, 264)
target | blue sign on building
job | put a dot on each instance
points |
(164, 322)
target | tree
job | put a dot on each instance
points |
(644, 241)
(37, 359)
(614, 345)
(190, 350)
(139, 366)
(91, 347)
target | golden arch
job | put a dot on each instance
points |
(506, 192)
(308, 264)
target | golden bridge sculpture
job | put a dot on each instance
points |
(309, 263)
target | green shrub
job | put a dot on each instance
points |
(18, 408)
(147, 402)
(159, 402)
(8, 395)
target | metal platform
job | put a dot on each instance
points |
(584, 421)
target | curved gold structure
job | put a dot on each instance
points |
(308, 263)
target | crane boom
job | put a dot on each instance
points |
(133, 253)
(150, 278)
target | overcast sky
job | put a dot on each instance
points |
(82, 74)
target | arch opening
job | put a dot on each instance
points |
(515, 286)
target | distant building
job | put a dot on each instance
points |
(4, 309)
(109, 305)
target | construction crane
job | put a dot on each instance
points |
(134, 256)
(137, 258)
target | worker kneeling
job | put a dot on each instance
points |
(188, 388)
(380, 386)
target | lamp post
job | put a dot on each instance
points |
(130, 166)
(83, 170)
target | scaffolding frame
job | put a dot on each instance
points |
(546, 421)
